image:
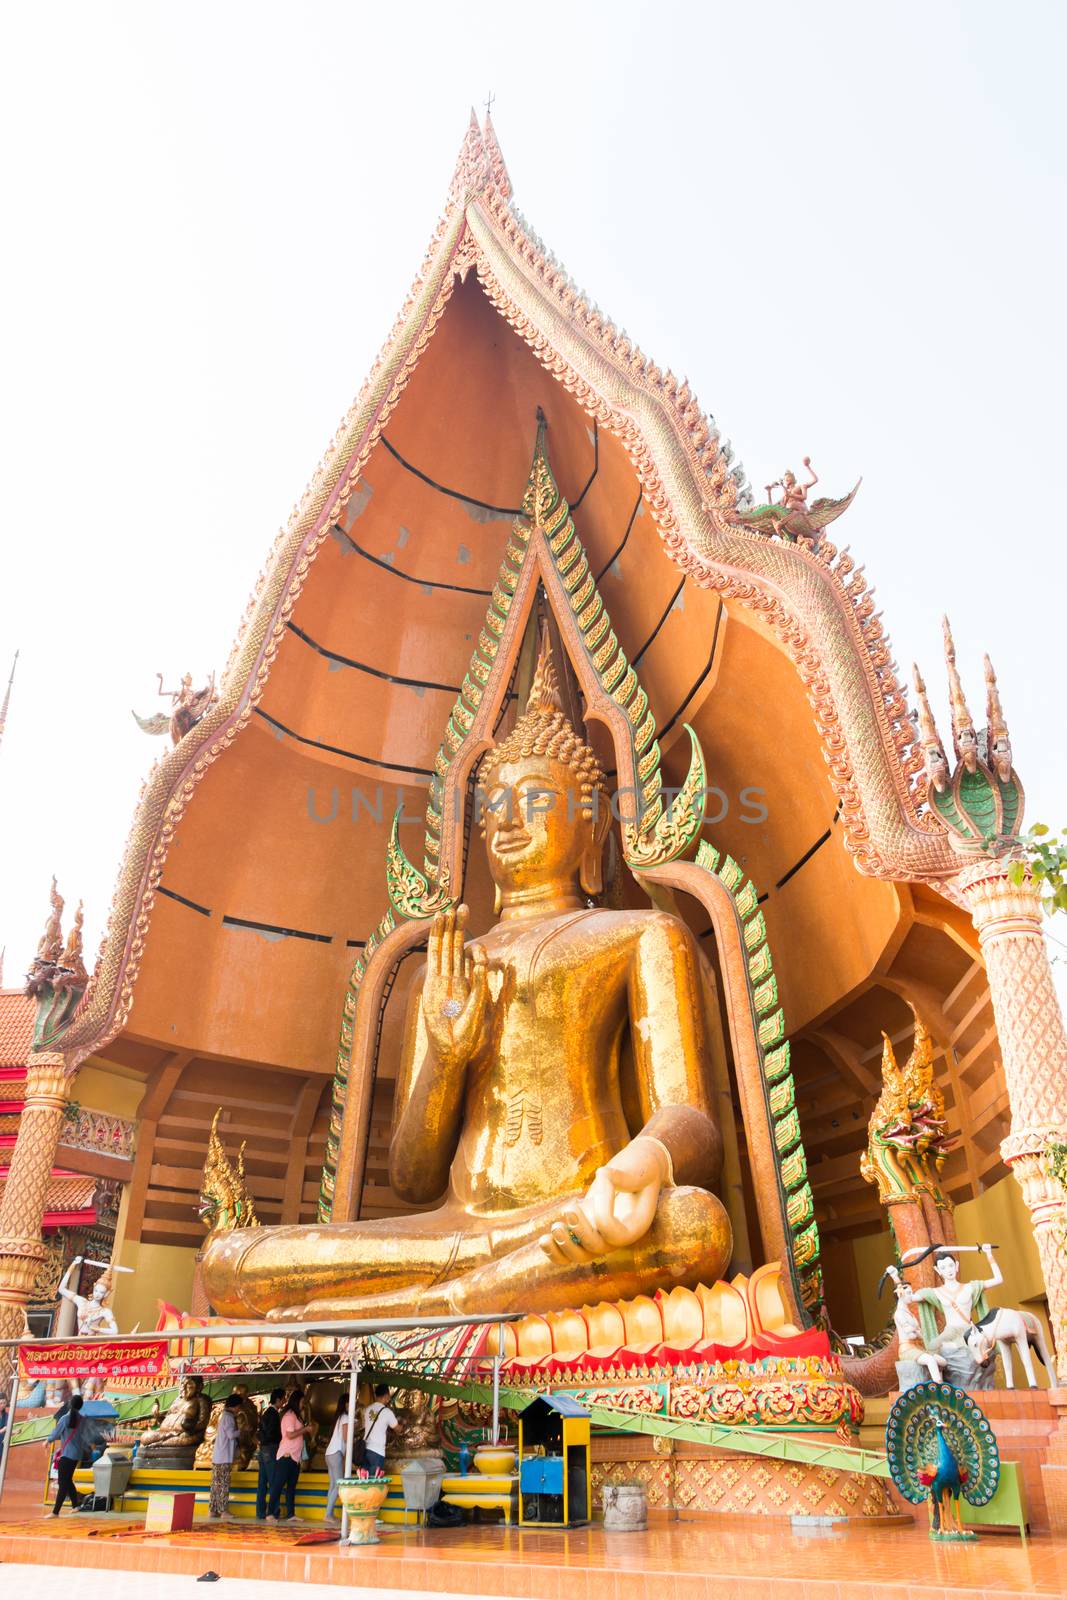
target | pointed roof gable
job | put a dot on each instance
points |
(690, 485)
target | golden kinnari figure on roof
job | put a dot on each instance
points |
(569, 1174)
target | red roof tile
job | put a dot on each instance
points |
(67, 1191)
(17, 1013)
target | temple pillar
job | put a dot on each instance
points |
(22, 1247)
(1033, 1045)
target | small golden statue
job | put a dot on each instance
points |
(564, 1168)
(247, 1420)
(791, 518)
(188, 705)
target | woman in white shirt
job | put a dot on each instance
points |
(335, 1454)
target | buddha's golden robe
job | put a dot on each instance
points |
(545, 1101)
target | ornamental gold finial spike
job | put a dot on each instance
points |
(964, 738)
(998, 740)
(933, 750)
(541, 492)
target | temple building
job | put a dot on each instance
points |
(317, 811)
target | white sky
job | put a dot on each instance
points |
(844, 222)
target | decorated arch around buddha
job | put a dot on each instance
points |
(545, 558)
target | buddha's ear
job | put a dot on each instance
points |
(591, 866)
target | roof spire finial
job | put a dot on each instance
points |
(541, 494)
(494, 156)
(471, 165)
(964, 737)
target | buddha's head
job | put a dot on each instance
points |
(545, 812)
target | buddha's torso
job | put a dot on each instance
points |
(543, 1105)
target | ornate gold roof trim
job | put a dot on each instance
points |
(827, 625)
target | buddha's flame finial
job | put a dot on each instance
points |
(964, 737)
(998, 740)
(544, 729)
(544, 691)
(933, 750)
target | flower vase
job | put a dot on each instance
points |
(362, 1499)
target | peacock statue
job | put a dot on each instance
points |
(941, 1449)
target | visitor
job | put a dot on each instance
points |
(70, 1429)
(270, 1437)
(336, 1451)
(378, 1420)
(222, 1454)
(3, 1417)
(287, 1463)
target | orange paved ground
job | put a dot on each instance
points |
(722, 1560)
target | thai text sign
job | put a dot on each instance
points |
(94, 1358)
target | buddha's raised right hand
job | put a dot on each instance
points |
(455, 991)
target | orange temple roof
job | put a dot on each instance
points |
(17, 1012)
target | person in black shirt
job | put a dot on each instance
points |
(70, 1430)
(270, 1437)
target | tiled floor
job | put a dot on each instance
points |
(720, 1559)
(53, 1583)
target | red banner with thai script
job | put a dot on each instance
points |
(94, 1358)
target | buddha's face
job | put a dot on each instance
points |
(536, 831)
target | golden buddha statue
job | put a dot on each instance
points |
(177, 1438)
(572, 1169)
